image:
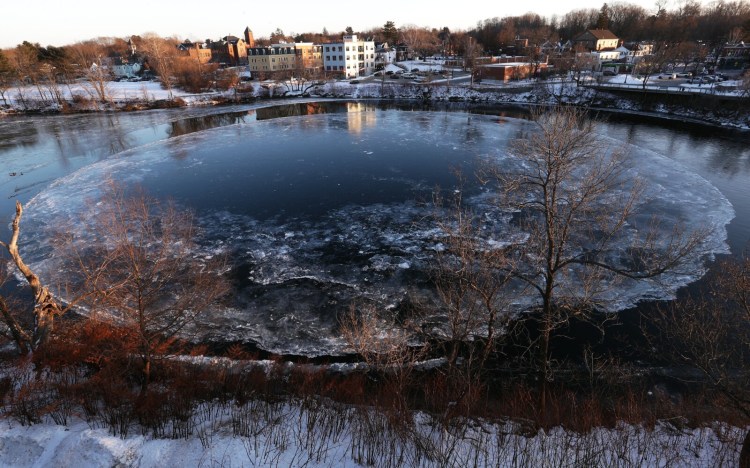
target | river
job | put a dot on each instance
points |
(324, 202)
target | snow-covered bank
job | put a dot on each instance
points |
(312, 435)
(128, 96)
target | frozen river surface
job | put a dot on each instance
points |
(324, 210)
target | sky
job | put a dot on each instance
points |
(61, 22)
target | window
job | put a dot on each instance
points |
(327, 49)
(341, 57)
(340, 48)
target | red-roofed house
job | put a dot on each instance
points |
(597, 39)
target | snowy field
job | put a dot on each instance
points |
(305, 434)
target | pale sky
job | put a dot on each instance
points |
(60, 22)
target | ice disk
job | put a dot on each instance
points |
(325, 211)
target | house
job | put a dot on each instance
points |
(126, 69)
(593, 61)
(734, 56)
(555, 48)
(638, 50)
(384, 55)
(622, 53)
(597, 39)
(351, 57)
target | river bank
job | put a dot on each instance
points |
(703, 109)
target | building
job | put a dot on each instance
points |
(249, 39)
(734, 57)
(230, 50)
(350, 58)
(285, 57)
(638, 50)
(509, 70)
(597, 39)
(384, 55)
(195, 50)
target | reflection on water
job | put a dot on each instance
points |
(34, 151)
(198, 124)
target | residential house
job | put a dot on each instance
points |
(638, 50)
(351, 58)
(593, 61)
(734, 56)
(597, 39)
(122, 69)
(384, 55)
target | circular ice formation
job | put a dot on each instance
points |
(322, 211)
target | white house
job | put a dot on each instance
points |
(623, 52)
(126, 69)
(351, 58)
(384, 54)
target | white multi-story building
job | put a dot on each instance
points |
(351, 58)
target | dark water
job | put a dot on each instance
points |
(325, 202)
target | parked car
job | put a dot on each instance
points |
(408, 76)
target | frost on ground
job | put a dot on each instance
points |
(311, 433)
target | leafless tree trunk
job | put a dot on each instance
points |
(141, 270)
(162, 54)
(469, 276)
(574, 204)
(46, 307)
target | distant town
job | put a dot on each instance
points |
(699, 44)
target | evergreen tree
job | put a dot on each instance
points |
(390, 33)
(602, 22)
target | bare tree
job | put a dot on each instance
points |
(655, 63)
(584, 63)
(419, 40)
(46, 307)
(576, 207)
(710, 332)
(469, 276)
(88, 55)
(383, 345)
(139, 269)
(6, 76)
(161, 56)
